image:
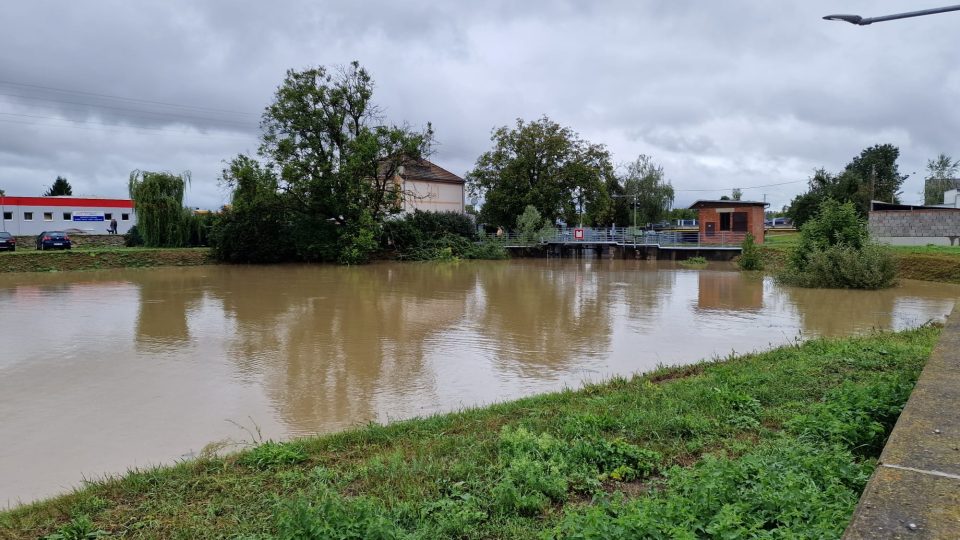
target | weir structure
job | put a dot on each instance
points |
(627, 243)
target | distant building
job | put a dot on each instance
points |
(25, 216)
(915, 225)
(725, 222)
(429, 187)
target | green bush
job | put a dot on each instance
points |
(844, 267)
(750, 257)
(436, 236)
(531, 226)
(834, 224)
(133, 238)
(253, 235)
(835, 252)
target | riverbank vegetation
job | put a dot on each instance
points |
(926, 263)
(773, 444)
(436, 236)
(101, 258)
(835, 251)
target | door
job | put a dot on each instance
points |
(711, 228)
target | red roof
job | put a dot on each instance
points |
(73, 202)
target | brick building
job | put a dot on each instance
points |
(727, 222)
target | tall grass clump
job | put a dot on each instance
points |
(750, 258)
(835, 252)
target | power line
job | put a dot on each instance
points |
(124, 129)
(138, 111)
(136, 100)
(750, 187)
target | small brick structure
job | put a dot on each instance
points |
(724, 222)
(914, 225)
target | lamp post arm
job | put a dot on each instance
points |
(863, 21)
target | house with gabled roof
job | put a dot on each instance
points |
(427, 186)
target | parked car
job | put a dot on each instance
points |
(7, 241)
(53, 240)
(779, 222)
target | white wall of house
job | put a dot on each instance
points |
(433, 196)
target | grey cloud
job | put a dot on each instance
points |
(724, 94)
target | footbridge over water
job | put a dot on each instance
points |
(628, 242)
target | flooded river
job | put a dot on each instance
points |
(103, 371)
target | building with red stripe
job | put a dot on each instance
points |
(87, 215)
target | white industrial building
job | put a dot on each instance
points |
(26, 216)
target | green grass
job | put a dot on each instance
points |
(96, 258)
(927, 263)
(778, 444)
(694, 262)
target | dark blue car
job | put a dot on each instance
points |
(53, 240)
(7, 241)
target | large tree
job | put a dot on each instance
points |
(873, 175)
(60, 187)
(547, 166)
(645, 185)
(336, 162)
(942, 175)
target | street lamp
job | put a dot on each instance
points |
(634, 197)
(863, 21)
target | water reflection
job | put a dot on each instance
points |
(152, 362)
(729, 291)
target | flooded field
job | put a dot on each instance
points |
(103, 371)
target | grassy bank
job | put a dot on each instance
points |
(100, 258)
(779, 443)
(927, 263)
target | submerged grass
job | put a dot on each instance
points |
(777, 444)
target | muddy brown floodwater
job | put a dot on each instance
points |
(104, 371)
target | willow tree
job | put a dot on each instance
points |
(158, 199)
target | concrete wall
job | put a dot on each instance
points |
(915, 227)
(79, 240)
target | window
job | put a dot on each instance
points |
(48, 216)
(68, 216)
(725, 222)
(28, 216)
(124, 217)
(739, 222)
(7, 216)
(108, 217)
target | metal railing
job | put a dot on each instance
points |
(623, 236)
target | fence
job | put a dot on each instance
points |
(624, 236)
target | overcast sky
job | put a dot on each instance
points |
(722, 94)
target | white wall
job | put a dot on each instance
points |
(19, 226)
(433, 196)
